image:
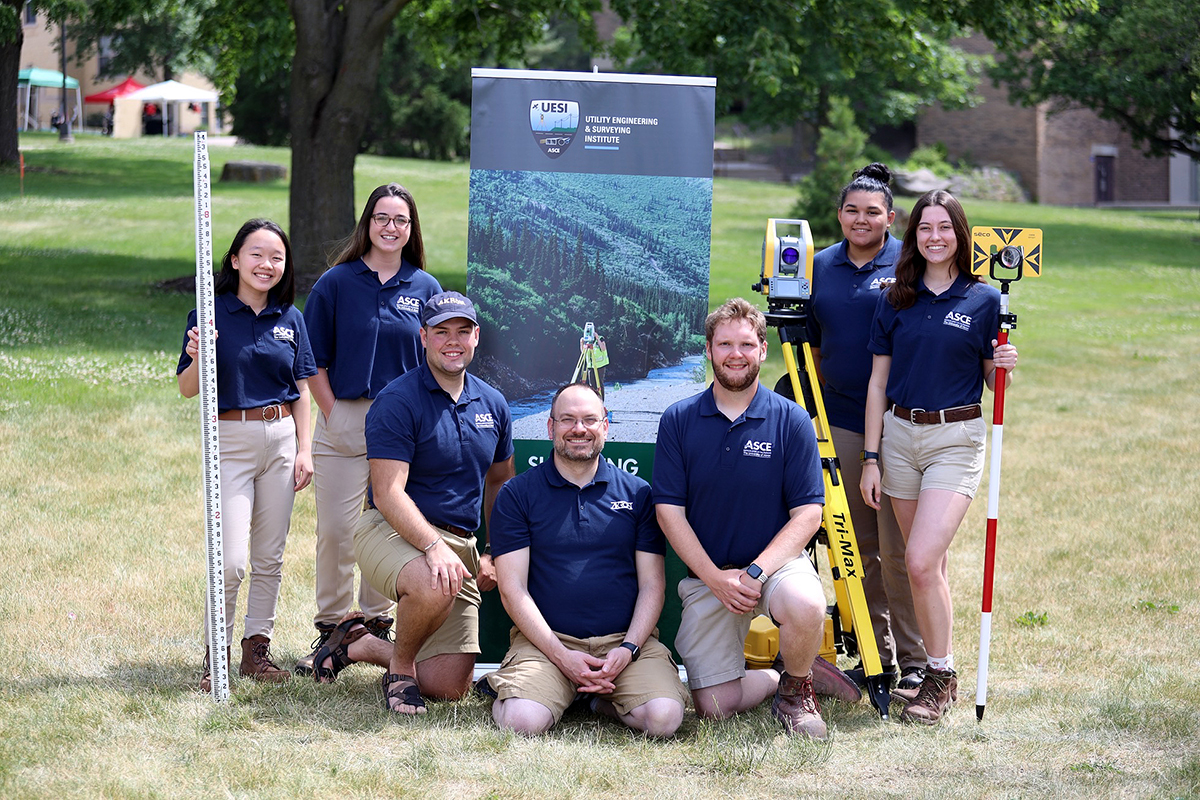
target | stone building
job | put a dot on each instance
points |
(1069, 158)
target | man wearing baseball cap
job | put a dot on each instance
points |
(439, 441)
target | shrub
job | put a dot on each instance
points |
(839, 153)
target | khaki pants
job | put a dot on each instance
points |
(341, 475)
(881, 548)
(528, 674)
(257, 481)
(382, 554)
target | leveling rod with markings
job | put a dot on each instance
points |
(209, 439)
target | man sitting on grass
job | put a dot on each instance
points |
(579, 560)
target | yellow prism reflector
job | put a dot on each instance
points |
(987, 242)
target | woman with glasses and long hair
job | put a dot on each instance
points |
(934, 350)
(264, 363)
(363, 317)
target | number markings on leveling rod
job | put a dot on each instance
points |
(209, 441)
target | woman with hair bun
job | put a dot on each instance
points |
(848, 279)
(933, 352)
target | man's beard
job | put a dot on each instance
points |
(748, 380)
(560, 448)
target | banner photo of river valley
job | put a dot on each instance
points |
(589, 234)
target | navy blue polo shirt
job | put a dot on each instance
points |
(737, 480)
(365, 333)
(844, 297)
(448, 445)
(938, 344)
(260, 357)
(582, 541)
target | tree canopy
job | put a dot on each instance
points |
(778, 61)
(1135, 63)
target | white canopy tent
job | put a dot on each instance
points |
(169, 92)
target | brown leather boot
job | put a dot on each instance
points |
(257, 663)
(795, 705)
(206, 679)
(939, 690)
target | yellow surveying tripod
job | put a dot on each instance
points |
(786, 280)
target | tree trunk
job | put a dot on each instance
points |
(10, 65)
(338, 48)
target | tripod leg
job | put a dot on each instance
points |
(845, 562)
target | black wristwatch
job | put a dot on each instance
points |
(756, 572)
(487, 549)
(633, 648)
(867, 455)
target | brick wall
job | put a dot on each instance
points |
(1052, 154)
(1067, 174)
(993, 133)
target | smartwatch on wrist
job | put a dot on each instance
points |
(867, 455)
(633, 648)
(756, 572)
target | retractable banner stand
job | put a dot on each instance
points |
(588, 256)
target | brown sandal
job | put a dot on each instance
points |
(337, 648)
(403, 688)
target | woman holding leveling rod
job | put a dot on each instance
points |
(263, 363)
(364, 317)
(848, 279)
(933, 346)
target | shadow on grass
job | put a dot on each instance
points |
(83, 174)
(100, 173)
(90, 301)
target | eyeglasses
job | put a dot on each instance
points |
(587, 422)
(382, 220)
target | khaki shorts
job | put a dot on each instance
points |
(712, 639)
(382, 553)
(527, 673)
(947, 455)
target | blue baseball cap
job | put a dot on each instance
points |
(447, 305)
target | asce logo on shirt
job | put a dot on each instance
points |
(882, 283)
(283, 334)
(622, 505)
(757, 449)
(410, 304)
(956, 320)
(484, 421)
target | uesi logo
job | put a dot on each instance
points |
(484, 421)
(757, 449)
(553, 123)
(958, 320)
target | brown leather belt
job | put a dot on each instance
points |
(919, 416)
(268, 413)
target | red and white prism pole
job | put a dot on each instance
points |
(989, 557)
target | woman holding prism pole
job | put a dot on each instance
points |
(933, 347)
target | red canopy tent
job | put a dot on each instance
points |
(108, 95)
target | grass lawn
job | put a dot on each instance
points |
(1095, 681)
